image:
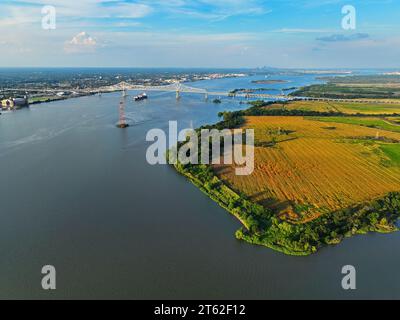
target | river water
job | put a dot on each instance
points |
(77, 193)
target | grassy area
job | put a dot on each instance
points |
(36, 100)
(365, 80)
(392, 151)
(334, 91)
(304, 106)
(45, 99)
(367, 108)
(394, 120)
(370, 87)
(376, 123)
(343, 107)
(307, 171)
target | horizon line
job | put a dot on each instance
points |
(174, 67)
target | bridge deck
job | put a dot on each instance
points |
(182, 88)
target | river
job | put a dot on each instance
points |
(77, 193)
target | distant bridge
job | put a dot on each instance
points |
(182, 88)
(179, 88)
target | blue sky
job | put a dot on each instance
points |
(200, 33)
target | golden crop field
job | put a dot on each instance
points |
(315, 167)
(344, 107)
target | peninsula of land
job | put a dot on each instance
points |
(324, 172)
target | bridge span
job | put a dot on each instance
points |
(182, 88)
(179, 88)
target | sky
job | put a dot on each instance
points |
(200, 33)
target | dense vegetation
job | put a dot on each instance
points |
(364, 79)
(355, 87)
(333, 91)
(392, 151)
(244, 90)
(379, 216)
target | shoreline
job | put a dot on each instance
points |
(55, 99)
(104, 90)
(219, 200)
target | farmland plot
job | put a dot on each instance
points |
(350, 108)
(305, 168)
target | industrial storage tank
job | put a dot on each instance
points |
(14, 103)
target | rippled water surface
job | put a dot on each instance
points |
(78, 194)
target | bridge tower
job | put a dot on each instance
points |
(178, 88)
(122, 123)
(124, 91)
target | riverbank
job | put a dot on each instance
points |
(41, 100)
(371, 87)
(231, 202)
(249, 216)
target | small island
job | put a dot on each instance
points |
(269, 81)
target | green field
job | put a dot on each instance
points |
(35, 100)
(351, 108)
(334, 91)
(377, 123)
(370, 108)
(392, 151)
(352, 87)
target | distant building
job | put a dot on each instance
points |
(14, 103)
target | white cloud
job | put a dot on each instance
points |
(82, 42)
